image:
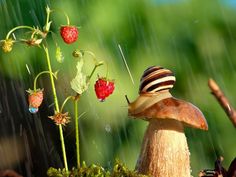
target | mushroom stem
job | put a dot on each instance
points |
(164, 150)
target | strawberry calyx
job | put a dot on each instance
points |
(30, 91)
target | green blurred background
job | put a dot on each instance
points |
(194, 38)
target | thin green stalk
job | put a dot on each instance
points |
(18, 27)
(36, 78)
(90, 53)
(65, 101)
(94, 68)
(46, 28)
(48, 11)
(57, 107)
(107, 70)
(77, 132)
(64, 13)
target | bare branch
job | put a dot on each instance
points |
(222, 99)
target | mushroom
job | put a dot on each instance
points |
(164, 151)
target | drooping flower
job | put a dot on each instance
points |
(32, 41)
(60, 118)
(7, 45)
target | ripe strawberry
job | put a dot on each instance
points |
(103, 88)
(69, 34)
(35, 99)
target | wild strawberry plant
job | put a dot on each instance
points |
(80, 83)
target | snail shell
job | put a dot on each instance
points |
(156, 79)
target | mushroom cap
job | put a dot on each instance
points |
(172, 108)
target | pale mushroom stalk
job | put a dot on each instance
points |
(160, 154)
(164, 151)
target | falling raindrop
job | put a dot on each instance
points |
(51, 105)
(108, 128)
(27, 67)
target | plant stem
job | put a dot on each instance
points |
(57, 108)
(65, 101)
(35, 31)
(64, 13)
(90, 53)
(18, 27)
(36, 78)
(48, 11)
(223, 100)
(77, 132)
(97, 64)
(107, 70)
(94, 69)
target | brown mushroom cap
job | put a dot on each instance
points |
(172, 108)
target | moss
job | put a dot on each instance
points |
(119, 170)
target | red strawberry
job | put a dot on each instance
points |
(69, 34)
(35, 99)
(103, 88)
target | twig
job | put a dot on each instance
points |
(219, 95)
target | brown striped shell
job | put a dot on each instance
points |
(155, 79)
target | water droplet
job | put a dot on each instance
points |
(101, 99)
(108, 128)
(33, 110)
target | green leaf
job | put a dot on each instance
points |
(81, 82)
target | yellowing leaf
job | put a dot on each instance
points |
(80, 83)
